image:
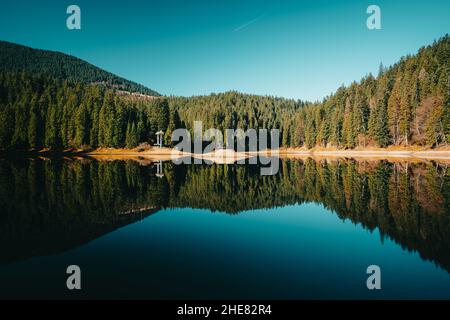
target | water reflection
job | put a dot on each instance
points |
(50, 206)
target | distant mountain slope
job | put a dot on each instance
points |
(14, 57)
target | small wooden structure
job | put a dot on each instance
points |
(159, 138)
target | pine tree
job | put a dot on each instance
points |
(93, 134)
(141, 129)
(434, 126)
(348, 130)
(51, 130)
(106, 121)
(81, 127)
(131, 139)
(443, 91)
(119, 125)
(378, 120)
(20, 135)
(405, 117)
(393, 111)
(34, 125)
(174, 123)
(7, 127)
(360, 117)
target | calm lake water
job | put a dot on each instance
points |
(224, 231)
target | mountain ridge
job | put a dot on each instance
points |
(16, 57)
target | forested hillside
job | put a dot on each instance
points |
(405, 104)
(38, 111)
(17, 58)
(237, 110)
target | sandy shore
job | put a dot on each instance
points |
(229, 156)
(428, 154)
(164, 154)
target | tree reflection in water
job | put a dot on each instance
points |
(54, 205)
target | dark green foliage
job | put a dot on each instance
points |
(7, 126)
(38, 111)
(405, 104)
(81, 126)
(174, 123)
(131, 140)
(231, 110)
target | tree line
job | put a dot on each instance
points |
(40, 111)
(405, 104)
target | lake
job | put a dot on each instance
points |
(139, 229)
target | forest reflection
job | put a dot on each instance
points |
(50, 206)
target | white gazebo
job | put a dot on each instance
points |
(159, 138)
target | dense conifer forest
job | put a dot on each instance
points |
(38, 111)
(55, 101)
(406, 104)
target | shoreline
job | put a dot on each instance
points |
(228, 155)
(281, 151)
(167, 154)
(426, 154)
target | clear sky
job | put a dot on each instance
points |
(295, 49)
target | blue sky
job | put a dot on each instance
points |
(294, 49)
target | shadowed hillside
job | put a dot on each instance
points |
(18, 58)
